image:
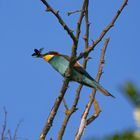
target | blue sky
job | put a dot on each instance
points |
(29, 87)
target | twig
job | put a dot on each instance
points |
(84, 121)
(73, 12)
(9, 133)
(106, 29)
(111, 23)
(86, 37)
(67, 73)
(4, 125)
(65, 104)
(96, 114)
(16, 130)
(78, 30)
(69, 112)
(80, 20)
(61, 21)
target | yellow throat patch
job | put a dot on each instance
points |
(48, 57)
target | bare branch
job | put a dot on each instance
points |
(4, 125)
(99, 74)
(10, 135)
(86, 37)
(16, 130)
(73, 12)
(111, 23)
(78, 30)
(80, 19)
(68, 113)
(65, 104)
(84, 120)
(61, 21)
(54, 110)
(6, 133)
(106, 29)
(96, 114)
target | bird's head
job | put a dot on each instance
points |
(47, 56)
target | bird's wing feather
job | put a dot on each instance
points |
(78, 67)
(66, 57)
(82, 71)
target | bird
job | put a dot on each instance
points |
(61, 62)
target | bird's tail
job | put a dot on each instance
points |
(104, 91)
(94, 84)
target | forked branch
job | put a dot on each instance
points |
(103, 33)
(84, 120)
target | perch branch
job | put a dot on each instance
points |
(68, 113)
(74, 47)
(84, 121)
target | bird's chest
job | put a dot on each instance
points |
(60, 64)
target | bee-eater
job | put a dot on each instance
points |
(60, 63)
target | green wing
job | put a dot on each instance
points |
(79, 68)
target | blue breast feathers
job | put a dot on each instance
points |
(60, 64)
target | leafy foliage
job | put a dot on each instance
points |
(132, 93)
